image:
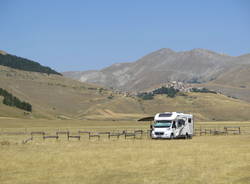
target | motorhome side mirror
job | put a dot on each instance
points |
(174, 126)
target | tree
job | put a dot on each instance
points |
(25, 64)
(11, 100)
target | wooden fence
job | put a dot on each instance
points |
(81, 133)
(226, 130)
(137, 134)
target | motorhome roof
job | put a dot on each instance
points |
(170, 115)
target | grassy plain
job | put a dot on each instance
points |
(204, 159)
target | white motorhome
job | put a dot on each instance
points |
(172, 125)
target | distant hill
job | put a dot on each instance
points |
(197, 66)
(24, 64)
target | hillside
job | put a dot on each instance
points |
(159, 67)
(24, 64)
(235, 83)
(50, 95)
(57, 97)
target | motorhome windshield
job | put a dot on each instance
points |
(162, 124)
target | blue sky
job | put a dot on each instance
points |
(84, 35)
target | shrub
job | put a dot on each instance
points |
(5, 143)
(110, 97)
(202, 90)
(146, 96)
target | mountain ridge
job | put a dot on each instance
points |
(197, 64)
(164, 65)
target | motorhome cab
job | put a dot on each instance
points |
(171, 125)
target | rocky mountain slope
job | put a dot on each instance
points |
(159, 67)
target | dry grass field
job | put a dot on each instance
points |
(204, 159)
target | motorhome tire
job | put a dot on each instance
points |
(172, 136)
(186, 136)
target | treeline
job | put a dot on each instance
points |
(170, 92)
(202, 90)
(11, 100)
(24, 64)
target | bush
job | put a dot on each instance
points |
(5, 143)
(182, 94)
(202, 90)
(146, 96)
(110, 97)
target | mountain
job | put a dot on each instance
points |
(24, 64)
(161, 66)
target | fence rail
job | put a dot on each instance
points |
(223, 130)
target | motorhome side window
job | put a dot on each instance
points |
(181, 122)
(189, 120)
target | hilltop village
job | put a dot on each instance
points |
(177, 85)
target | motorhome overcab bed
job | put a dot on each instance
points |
(170, 125)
